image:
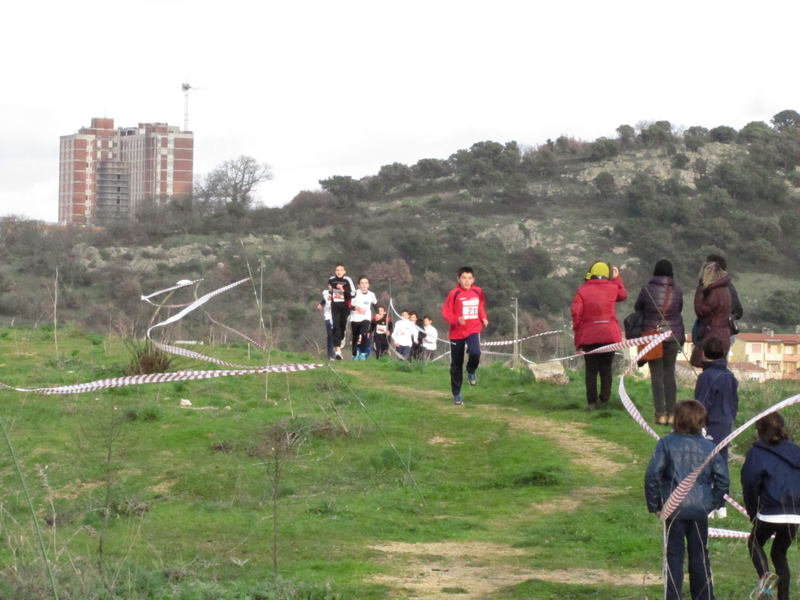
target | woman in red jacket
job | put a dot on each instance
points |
(594, 321)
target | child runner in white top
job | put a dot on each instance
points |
(404, 335)
(360, 318)
(429, 342)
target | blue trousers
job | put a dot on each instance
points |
(695, 536)
(472, 345)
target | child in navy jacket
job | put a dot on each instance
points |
(717, 390)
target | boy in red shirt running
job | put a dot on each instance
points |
(465, 311)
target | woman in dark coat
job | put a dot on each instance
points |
(594, 321)
(712, 305)
(661, 300)
(771, 490)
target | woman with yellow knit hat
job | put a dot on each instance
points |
(594, 321)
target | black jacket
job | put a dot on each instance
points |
(651, 301)
(771, 479)
(674, 458)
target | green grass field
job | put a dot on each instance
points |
(360, 481)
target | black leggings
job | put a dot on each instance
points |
(360, 341)
(784, 535)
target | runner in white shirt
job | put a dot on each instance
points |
(429, 342)
(360, 317)
(404, 335)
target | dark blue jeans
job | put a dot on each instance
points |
(695, 534)
(472, 345)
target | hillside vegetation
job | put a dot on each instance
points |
(358, 481)
(530, 220)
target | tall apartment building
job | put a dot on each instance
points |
(106, 173)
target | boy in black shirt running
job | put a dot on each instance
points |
(342, 292)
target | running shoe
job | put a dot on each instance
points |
(765, 590)
(457, 399)
(472, 378)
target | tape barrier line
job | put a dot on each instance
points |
(181, 375)
(181, 284)
(161, 378)
(680, 492)
(727, 533)
(258, 345)
(637, 417)
(509, 342)
(650, 340)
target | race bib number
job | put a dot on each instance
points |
(380, 329)
(338, 296)
(469, 308)
(361, 310)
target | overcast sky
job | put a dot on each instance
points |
(317, 89)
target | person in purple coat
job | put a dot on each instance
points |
(661, 301)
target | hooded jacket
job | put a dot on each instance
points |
(594, 313)
(674, 458)
(712, 305)
(771, 479)
(651, 301)
(718, 390)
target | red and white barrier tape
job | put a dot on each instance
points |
(181, 284)
(181, 375)
(637, 416)
(161, 378)
(727, 533)
(679, 493)
(509, 342)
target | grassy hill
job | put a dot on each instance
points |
(530, 220)
(357, 481)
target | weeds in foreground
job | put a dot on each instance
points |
(146, 358)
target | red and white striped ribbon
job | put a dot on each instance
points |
(81, 388)
(650, 340)
(509, 342)
(637, 416)
(181, 375)
(680, 492)
(727, 533)
(181, 284)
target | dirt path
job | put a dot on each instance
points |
(473, 570)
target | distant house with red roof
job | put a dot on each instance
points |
(775, 355)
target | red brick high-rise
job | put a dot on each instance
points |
(106, 173)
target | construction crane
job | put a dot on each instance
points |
(186, 87)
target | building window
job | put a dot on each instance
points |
(773, 348)
(774, 367)
(756, 348)
(789, 349)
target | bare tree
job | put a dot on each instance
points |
(233, 181)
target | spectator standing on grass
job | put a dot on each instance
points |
(594, 321)
(342, 291)
(325, 307)
(363, 303)
(675, 457)
(661, 301)
(713, 307)
(464, 310)
(771, 490)
(718, 391)
(736, 306)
